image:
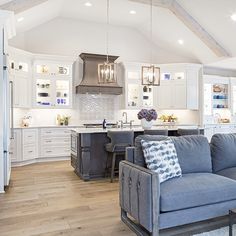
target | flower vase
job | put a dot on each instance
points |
(146, 124)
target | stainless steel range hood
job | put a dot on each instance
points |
(89, 83)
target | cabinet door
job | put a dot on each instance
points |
(209, 132)
(15, 148)
(164, 96)
(133, 96)
(21, 92)
(179, 96)
(223, 129)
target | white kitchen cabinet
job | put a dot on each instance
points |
(21, 75)
(55, 142)
(136, 95)
(22, 92)
(52, 83)
(233, 96)
(216, 98)
(179, 87)
(15, 149)
(210, 130)
(29, 144)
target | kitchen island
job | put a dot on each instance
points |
(88, 154)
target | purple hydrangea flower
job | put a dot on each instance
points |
(147, 114)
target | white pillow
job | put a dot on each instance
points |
(161, 157)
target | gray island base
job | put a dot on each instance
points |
(88, 155)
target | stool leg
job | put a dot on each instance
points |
(230, 224)
(113, 166)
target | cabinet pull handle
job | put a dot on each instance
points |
(29, 136)
(30, 151)
(49, 141)
(48, 132)
(48, 151)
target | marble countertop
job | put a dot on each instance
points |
(135, 129)
(49, 126)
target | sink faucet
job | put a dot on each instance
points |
(126, 117)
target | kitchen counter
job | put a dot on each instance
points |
(49, 126)
(134, 128)
(88, 155)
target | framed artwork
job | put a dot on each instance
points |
(150, 75)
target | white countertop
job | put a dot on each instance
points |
(48, 126)
(135, 129)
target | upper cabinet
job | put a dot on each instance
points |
(136, 95)
(52, 84)
(219, 99)
(179, 87)
(20, 73)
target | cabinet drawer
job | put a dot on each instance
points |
(30, 136)
(55, 132)
(55, 152)
(29, 152)
(52, 141)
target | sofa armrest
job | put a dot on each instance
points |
(140, 194)
(129, 154)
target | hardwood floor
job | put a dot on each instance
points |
(49, 199)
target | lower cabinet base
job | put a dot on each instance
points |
(39, 160)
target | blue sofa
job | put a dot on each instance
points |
(203, 192)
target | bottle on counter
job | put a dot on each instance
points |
(104, 124)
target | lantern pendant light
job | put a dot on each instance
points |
(107, 70)
(151, 73)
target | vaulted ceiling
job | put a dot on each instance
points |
(204, 26)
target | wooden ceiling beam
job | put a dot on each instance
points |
(191, 23)
(18, 6)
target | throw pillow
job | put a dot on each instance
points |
(161, 157)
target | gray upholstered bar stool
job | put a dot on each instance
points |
(182, 132)
(163, 132)
(120, 140)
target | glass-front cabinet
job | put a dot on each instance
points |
(53, 84)
(136, 95)
(216, 102)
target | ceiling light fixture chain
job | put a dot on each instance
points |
(107, 70)
(108, 27)
(151, 29)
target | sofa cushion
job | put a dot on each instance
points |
(161, 157)
(194, 190)
(229, 173)
(193, 153)
(223, 149)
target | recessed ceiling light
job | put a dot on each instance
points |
(20, 19)
(181, 41)
(88, 4)
(132, 12)
(233, 17)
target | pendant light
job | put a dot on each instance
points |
(107, 70)
(151, 73)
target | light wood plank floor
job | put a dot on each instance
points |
(49, 199)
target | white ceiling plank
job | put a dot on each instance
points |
(19, 6)
(198, 30)
(191, 23)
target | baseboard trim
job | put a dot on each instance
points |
(39, 160)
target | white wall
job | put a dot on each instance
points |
(63, 36)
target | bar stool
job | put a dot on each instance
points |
(182, 132)
(163, 132)
(120, 140)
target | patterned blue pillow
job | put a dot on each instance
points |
(161, 157)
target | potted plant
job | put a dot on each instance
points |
(147, 117)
